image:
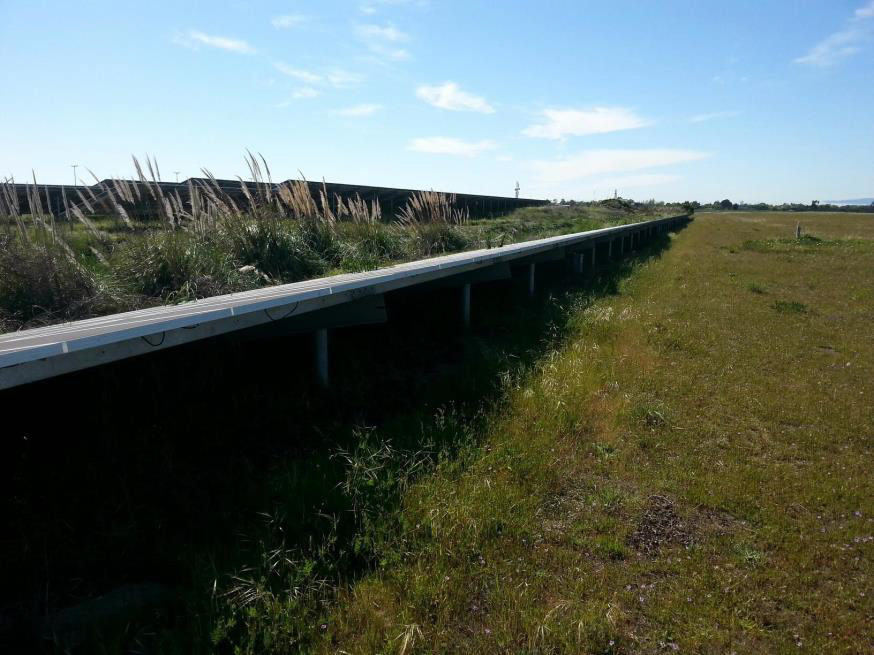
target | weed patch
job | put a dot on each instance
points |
(790, 307)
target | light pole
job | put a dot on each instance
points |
(75, 177)
(177, 176)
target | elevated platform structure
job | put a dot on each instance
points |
(312, 305)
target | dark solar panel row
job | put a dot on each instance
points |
(390, 199)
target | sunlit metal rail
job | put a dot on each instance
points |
(314, 305)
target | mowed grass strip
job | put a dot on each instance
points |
(691, 472)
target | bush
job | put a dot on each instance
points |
(370, 245)
(176, 266)
(320, 236)
(274, 247)
(41, 282)
(435, 238)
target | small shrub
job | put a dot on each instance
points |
(376, 239)
(609, 547)
(320, 236)
(790, 307)
(41, 282)
(370, 245)
(651, 414)
(429, 239)
(274, 247)
(755, 287)
(176, 266)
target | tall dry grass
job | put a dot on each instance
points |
(432, 220)
(139, 241)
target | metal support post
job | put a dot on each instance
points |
(531, 279)
(322, 357)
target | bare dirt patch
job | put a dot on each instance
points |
(659, 525)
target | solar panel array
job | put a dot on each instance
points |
(391, 200)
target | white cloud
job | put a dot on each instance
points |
(358, 110)
(336, 77)
(383, 41)
(865, 12)
(834, 47)
(194, 39)
(340, 78)
(597, 162)
(442, 145)
(372, 6)
(305, 93)
(703, 118)
(844, 43)
(450, 96)
(635, 181)
(289, 20)
(298, 73)
(561, 123)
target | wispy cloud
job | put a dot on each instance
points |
(358, 110)
(340, 78)
(194, 39)
(372, 6)
(442, 145)
(336, 77)
(635, 181)
(305, 93)
(561, 123)
(450, 96)
(598, 162)
(716, 115)
(865, 12)
(844, 43)
(289, 20)
(300, 93)
(383, 41)
(298, 73)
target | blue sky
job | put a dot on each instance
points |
(683, 99)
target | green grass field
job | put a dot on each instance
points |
(691, 471)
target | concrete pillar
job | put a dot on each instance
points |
(592, 259)
(610, 249)
(465, 304)
(322, 357)
(531, 279)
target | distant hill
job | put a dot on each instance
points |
(851, 201)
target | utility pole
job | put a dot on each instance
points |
(75, 177)
(177, 176)
(517, 189)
